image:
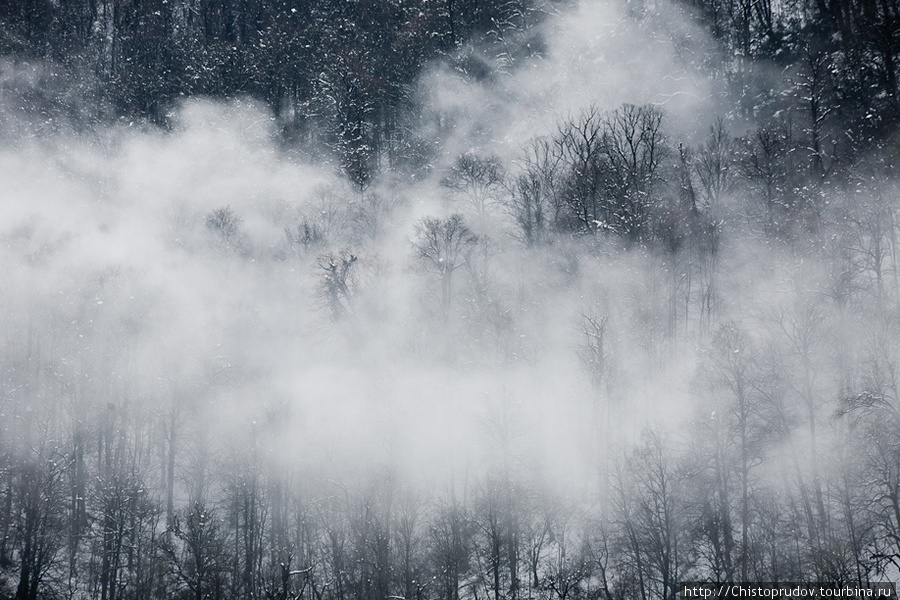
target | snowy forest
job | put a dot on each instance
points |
(447, 299)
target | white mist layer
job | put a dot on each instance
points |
(110, 264)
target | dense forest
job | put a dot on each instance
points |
(447, 299)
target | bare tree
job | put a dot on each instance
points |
(732, 370)
(197, 553)
(568, 567)
(225, 226)
(657, 486)
(339, 282)
(300, 239)
(443, 246)
(634, 149)
(479, 179)
(39, 506)
(714, 164)
(533, 197)
(612, 168)
(772, 169)
(716, 168)
(409, 547)
(450, 548)
(529, 208)
(814, 83)
(580, 144)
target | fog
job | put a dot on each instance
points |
(212, 298)
(112, 227)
